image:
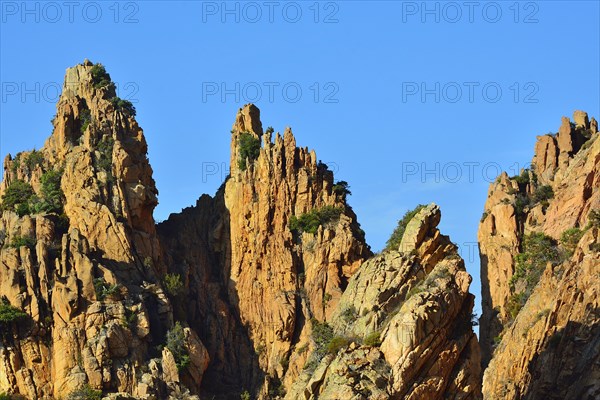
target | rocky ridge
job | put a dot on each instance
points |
(539, 266)
(267, 289)
(81, 257)
(404, 325)
(239, 247)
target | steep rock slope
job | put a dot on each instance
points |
(403, 326)
(241, 252)
(254, 290)
(539, 269)
(80, 254)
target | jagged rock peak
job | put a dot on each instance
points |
(422, 225)
(405, 324)
(248, 120)
(549, 209)
(554, 152)
(251, 147)
(79, 80)
(79, 254)
(581, 119)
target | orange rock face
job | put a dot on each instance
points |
(404, 324)
(86, 273)
(558, 196)
(271, 280)
(225, 297)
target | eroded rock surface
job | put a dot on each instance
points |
(407, 316)
(227, 296)
(88, 271)
(527, 304)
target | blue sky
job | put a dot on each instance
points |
(409, 102)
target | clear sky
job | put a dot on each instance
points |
(410, 102)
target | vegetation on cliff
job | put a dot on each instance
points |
(538, 250)
(309, 222)
(249, 149)
(394, 241)
(9, 314)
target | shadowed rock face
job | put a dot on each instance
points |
(249, 275)
(527, 358)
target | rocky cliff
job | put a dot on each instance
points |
(254, 279)
(539, 266)
(265, 290)
(80, 255)
(403, 327)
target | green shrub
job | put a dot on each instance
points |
(175, 342)
(310, 221)
(104, 290)
(522, 179)
(85, 393)
(276, 389)
(129, 319)
(349, 314)
(537, 250)
(497, 340)
(342, 189)
(124, 106)
(394, 241)
(85, 117)
(24, 209)
(21, 198)
(520, 204)
(18, 193)
(20, 241)
(570, 238)
(373, 339)
(269, 130)
(285, 363)
(10, 314)
(594, 219)
(260, 349)
(543, 194)
(104, 162)
(245, 395)
(52, 194)
(249, 149)
(34, 159)
(322, 166)
(173, 284)
(100, 77)
(4, 396)
(337, 343)
(16, 163)
(322, 333)
(483, 216)
(516, 301)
